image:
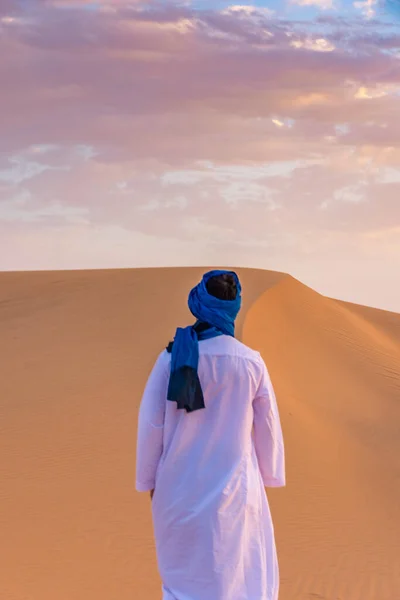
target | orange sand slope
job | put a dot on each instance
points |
(76, 348)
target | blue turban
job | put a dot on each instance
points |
(215, 317)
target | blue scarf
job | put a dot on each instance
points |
(215, 317)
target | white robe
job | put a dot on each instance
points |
(213, 528)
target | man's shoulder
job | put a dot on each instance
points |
(229, 346)
(246, 352)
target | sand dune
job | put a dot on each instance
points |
(76, 348)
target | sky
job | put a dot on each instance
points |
(261, 134)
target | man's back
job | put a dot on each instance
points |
(209, 440)
(230, 374)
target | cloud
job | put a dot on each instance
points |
(318, 44)
(177, 124)
(323, 4)
(377, 91)
(87, 77)
(367, 7)
(247, 10)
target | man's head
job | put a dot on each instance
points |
(222, 286)
(216, 300)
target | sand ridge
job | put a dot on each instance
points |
(337, 375)
(75, 353)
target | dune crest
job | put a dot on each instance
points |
(76, 350)
(337, 376)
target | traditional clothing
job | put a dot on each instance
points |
(212, 523)
(215, 317)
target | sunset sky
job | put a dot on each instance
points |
(264, 134)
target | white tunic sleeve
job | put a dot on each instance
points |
(151, 425)
(268, 438)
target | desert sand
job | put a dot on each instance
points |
(76, 349)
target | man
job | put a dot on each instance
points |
(209, 440)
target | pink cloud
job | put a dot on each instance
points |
(126, 97)
(138, 66)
